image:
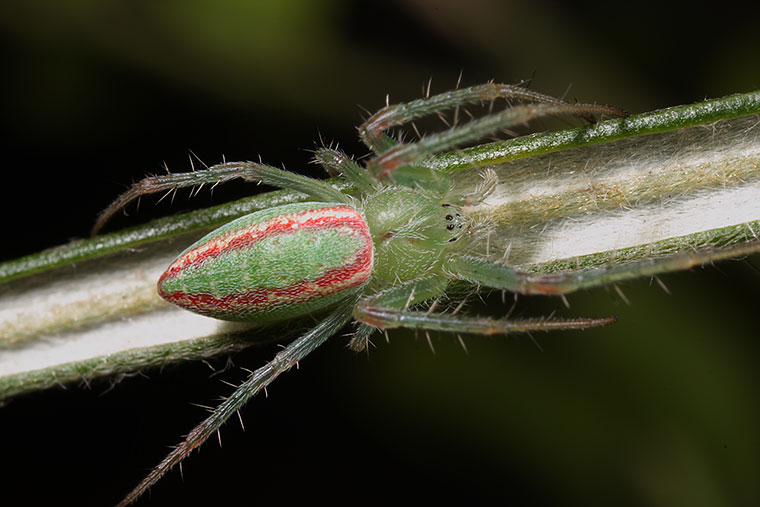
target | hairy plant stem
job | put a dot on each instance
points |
(684, 179)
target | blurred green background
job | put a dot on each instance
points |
(660, 409)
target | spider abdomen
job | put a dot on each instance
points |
(273, 264)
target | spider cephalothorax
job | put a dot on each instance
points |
(372, 256)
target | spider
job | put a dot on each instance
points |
(372, 258)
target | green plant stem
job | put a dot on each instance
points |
(649, 186)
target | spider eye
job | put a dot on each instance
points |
(454, 221)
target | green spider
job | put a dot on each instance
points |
(374, 258)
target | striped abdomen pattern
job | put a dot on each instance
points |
(273, 264)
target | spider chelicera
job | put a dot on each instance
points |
(372, 257)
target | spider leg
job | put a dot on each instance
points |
(386, 164)
(393, 317)
(257, 381)
(499, 276)
(389, 309)
(335, 161)
(400, 297)
(221, 173)
(360, 338)
(371, 131)
(406, 294)
(488, 183)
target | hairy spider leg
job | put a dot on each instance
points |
(221, 173)
(338, 163)
(499, 276)
(393, 318)
(258, 380)
(386, 164)
(334, 161)
(390, 309)
(487, 185)
(402, 297)
(360, 337)
(372, 134)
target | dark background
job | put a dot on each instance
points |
(660, 409)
